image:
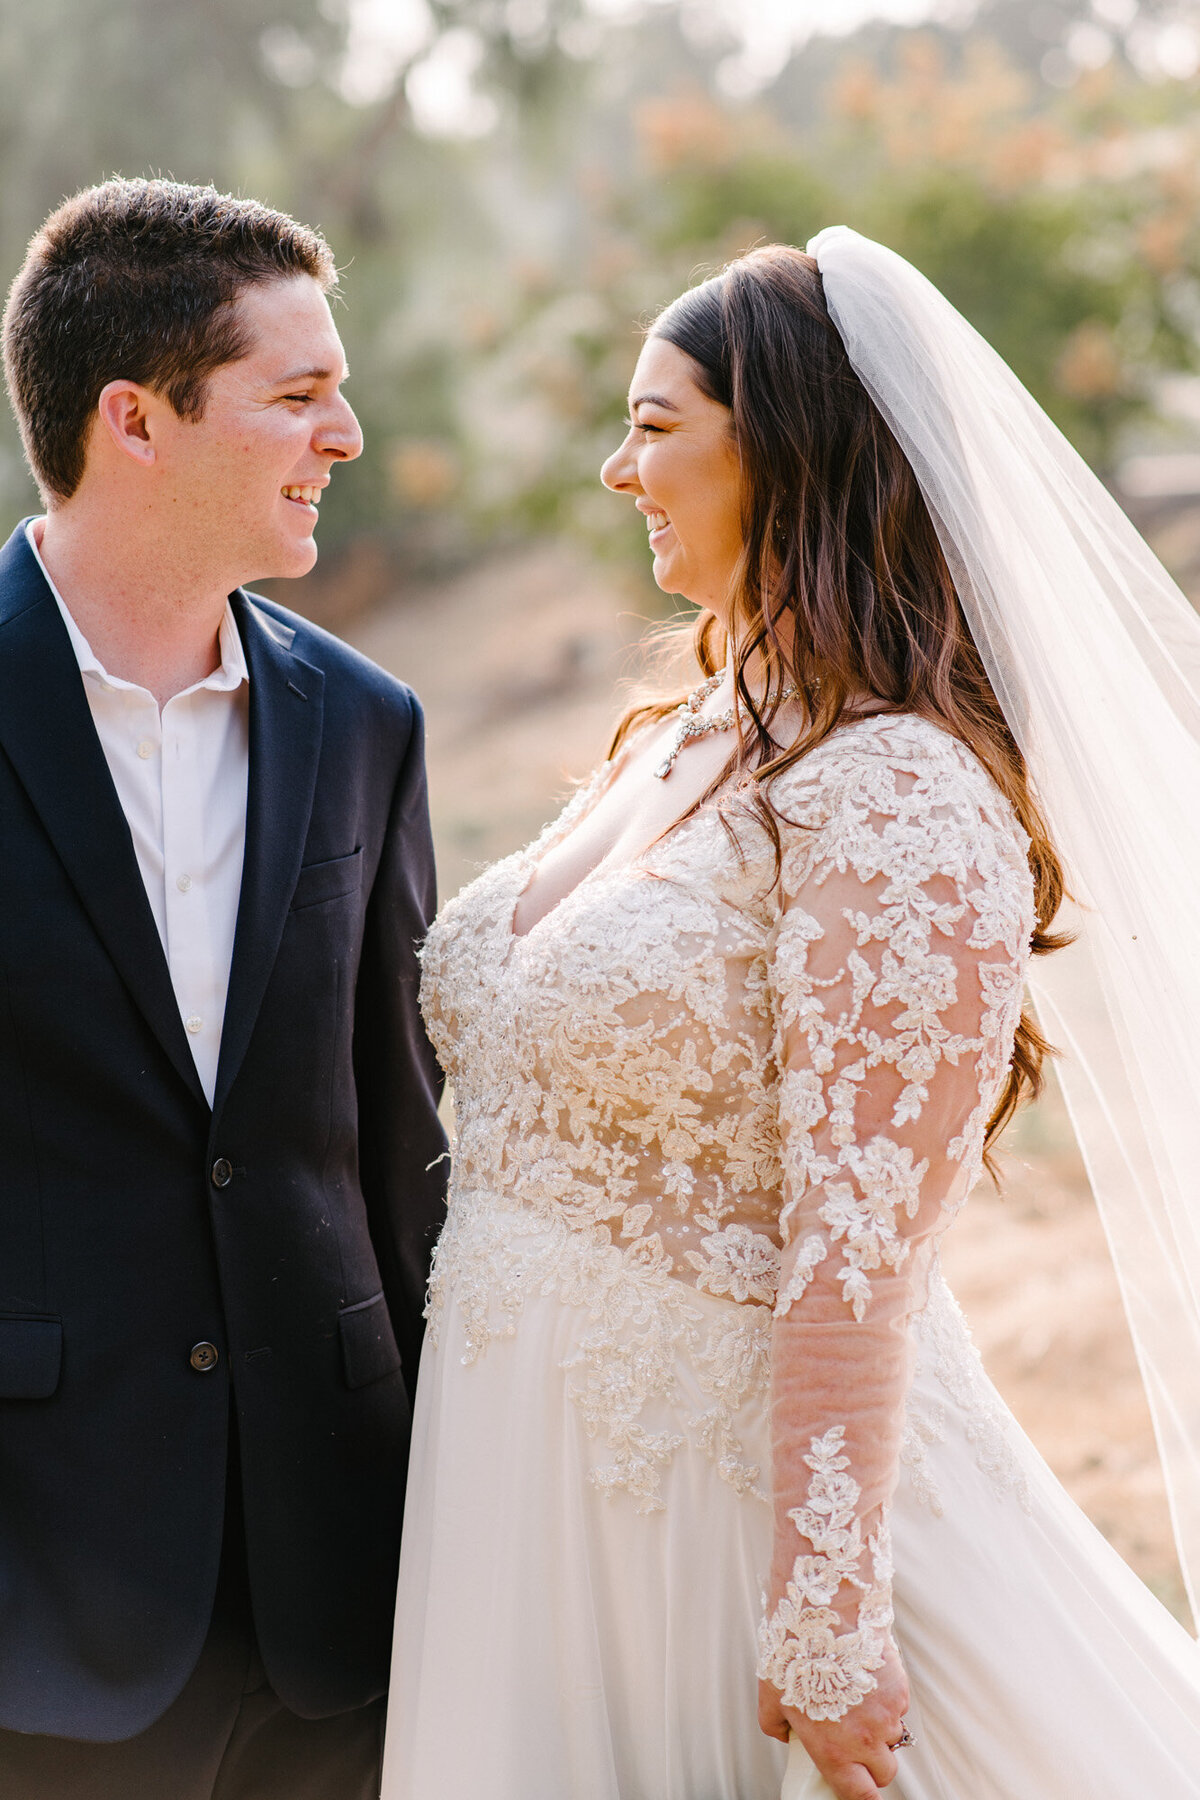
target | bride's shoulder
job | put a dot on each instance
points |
(904, 743)
(893, 765)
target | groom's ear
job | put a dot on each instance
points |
(126, 413)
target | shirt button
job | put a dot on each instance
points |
(183, 883)
(194, 1024)
(222, 1172)
(145, 749)
(204, 1357)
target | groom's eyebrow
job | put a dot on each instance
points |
(312, 375)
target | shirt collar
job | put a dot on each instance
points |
(231, 674)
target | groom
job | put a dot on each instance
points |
(219, 1183)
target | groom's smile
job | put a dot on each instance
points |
(304, 496)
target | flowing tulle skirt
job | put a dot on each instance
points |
(554, 1643)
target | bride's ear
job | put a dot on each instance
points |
(125, 413)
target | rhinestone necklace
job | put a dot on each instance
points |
(691, 725)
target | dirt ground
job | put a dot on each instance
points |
(518, 664)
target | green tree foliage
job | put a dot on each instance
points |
(495, 281)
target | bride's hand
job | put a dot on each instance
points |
(852, 1753)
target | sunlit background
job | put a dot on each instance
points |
(510, 187)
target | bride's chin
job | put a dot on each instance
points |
(671, 579)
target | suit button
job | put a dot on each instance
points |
(204, 1357)
(222, 1172)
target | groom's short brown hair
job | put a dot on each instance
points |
(134, 280)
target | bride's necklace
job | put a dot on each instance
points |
(691, 725)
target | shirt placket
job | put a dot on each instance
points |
(188, 948)
(139, 763)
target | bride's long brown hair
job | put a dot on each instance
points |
(842, 588)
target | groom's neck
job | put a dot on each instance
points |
(148, 603)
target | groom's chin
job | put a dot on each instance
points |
(291, 561)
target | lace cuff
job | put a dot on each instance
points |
(820, 1668)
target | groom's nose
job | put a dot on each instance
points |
(340, 434)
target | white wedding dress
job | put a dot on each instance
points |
(689, 1346)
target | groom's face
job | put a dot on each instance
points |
(247, 477)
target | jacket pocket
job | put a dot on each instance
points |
(318, 882)
(30, 1357)
(368, 1343)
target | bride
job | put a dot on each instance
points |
(709, 1491)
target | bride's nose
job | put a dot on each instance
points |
(619, 472)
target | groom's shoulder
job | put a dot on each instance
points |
(349, 675)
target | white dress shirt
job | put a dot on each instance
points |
(181, 778)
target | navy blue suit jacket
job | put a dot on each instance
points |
(290, 1225)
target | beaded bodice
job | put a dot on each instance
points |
(690, 1075)
(613, 1066)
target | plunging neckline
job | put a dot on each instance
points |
(532, 858)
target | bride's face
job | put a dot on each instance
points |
(679, 465)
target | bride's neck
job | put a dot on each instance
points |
(755, 680)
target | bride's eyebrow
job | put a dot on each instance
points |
(653, 400)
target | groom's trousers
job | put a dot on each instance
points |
(226, 1737)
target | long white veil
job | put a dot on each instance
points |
(1094, 655)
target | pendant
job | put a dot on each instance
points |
(668, 762)
(691, 725)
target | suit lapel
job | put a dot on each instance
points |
(286, 706)
(47, 732)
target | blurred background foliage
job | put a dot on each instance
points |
(512, 185)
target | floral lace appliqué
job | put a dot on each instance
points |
(819, 1667)
(739, 1262)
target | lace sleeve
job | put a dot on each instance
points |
(896, 975)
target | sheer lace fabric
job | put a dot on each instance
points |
(897, 967)
(688, 1077)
